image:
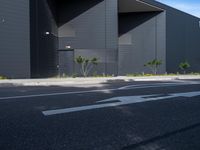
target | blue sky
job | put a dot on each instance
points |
(189, 6)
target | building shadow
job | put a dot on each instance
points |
(129, 21)
(161, 137)
(66, 10)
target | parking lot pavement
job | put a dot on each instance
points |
(118, 116)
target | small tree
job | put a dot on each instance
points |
(184, 66)
(86, 65)
(154, 65)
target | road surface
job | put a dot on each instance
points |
(111, 116)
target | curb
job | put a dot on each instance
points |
(88, 81)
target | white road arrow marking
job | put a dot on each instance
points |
(119, 101)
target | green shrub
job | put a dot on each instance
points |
(135, 75)
(154, 65)
(3, 77)
(86, 65)
(139, 75)
(184, 66)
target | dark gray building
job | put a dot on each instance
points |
(41, 38)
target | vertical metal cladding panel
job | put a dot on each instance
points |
(92, 33)
(193, 43)
(182, 38)
(183, 34)
(161, 40)
(111, 62)
(88, 27)
(141, 40)
(176, 40)
(14, 38)
(111, 30)
(44, 41)
(84, 32)
(47, 43)
(111, 37)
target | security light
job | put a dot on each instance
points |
(47, 33)
(68, 47)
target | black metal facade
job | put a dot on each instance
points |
(35, 36)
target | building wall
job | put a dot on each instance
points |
(111, 55)
(141, 39)
(14, 38)
(87, 29)
(182, 38)
(90, 28)
(44, 39)
(183, 41)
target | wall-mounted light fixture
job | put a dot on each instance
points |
(67, 47)
(47, 32)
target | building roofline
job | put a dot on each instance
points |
(166, 7)
(146, 3)
(126, 6)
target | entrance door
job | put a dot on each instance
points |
(66, 62)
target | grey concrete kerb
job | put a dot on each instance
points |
(87, 81)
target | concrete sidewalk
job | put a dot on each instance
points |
(87, 81)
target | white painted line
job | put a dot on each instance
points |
(54, 94)
(77, 109)
(124, 100)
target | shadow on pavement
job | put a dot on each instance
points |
(160, 137)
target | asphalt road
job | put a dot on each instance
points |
(110, 116)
